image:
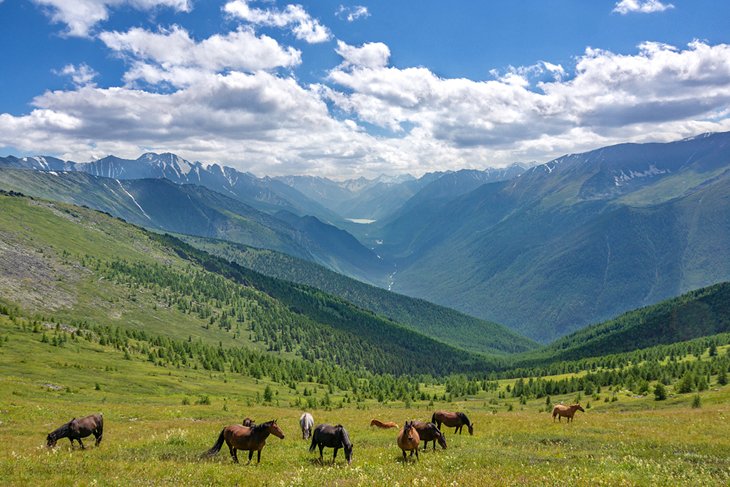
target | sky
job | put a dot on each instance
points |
(347, 89)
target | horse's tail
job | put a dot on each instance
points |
(313, 445)
(100, 428)
(217, 447)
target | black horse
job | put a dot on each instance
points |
(77, 429)
(326, 435)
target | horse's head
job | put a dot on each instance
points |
(471, 428)
(409, 431)
(275, 430)
(348, 453)
(51, 440)
(580, 408)
(442, 440)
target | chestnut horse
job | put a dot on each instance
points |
(429, 432)
(77, 429)
(249, 422)
(239, 437)
(326, 435)
(408, 439)
(562, 411)
(452, 420)
(380, 424)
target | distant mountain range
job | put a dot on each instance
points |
(546, 250)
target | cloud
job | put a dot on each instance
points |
(370, 54)
(353, 13)
(81, 15)
(624, 7)
(294, 17)
(81, 75)
(172, 56)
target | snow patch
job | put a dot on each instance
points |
(134, 200)
(624, 177)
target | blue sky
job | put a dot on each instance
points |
(346, 89)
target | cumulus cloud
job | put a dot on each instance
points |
(81, 15)
(370, 54)
(353, 13)
(172, 56)
(624, 7)
(293, 17)
(81, 75)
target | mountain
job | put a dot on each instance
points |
(265, 194)
(699, 313)
(574, 241)
(85, 267)
(444, 324)
(189, 209)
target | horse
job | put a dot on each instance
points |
(380, 424)
(77, 429)
(249, 422)
(408, 439)
(239, 437)
(429, 432)
(306, 421)
(562, 411)
(326, 435)
(452, 420)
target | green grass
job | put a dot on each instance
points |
(151, 437)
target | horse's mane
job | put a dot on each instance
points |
(260, 427)
(464, 419)
(61, 431)
(345, 437)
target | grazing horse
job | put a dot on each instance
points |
(249, 422)
(244, 438)
(562, 411)
(380, 424)
(452, 420)
(77, 429)
(408, 439)
(326, 435)
(429, 432)
(306, 421)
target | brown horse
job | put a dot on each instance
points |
(239, 437)
(77, 429)
(452, 420)
(249, 422)
(408, 439)
(562, 411)
(429, 432)
(380, 424)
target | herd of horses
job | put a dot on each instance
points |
(251, 437)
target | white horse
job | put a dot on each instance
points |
(306, 421)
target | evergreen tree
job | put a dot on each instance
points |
(660, 392)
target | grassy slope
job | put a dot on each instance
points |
(702, 312)
(439, 322)
(45, 245)
(151, 437)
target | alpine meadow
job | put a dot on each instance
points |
(255, 242)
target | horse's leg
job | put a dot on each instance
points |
(72, 442)
(81, 443)
(416, 450)
(404, 456)
(258, 456)
(334, 455)
(234, 454)
(250, 456)
(321, 449)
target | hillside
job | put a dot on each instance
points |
(83, 266)
(442, 323)
(191, 209)
(575, 241)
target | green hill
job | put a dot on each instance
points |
(444, 324)
(81, 266)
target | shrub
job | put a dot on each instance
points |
(660, 392)
(696, 402)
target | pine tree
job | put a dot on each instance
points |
(660, 392)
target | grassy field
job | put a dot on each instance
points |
(153, 437)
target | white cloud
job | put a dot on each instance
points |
(353, 13)
(624, 7)
(81, 75)
(294, 17)
(370, 54)
(173, 56)
(81, 15)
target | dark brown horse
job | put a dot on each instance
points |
(249, 422)
(429, 432)
(562, 411)
(408, 439)
(452, 420)
(77, 429)
(326, 435)
(380, 424)
(239, 437)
